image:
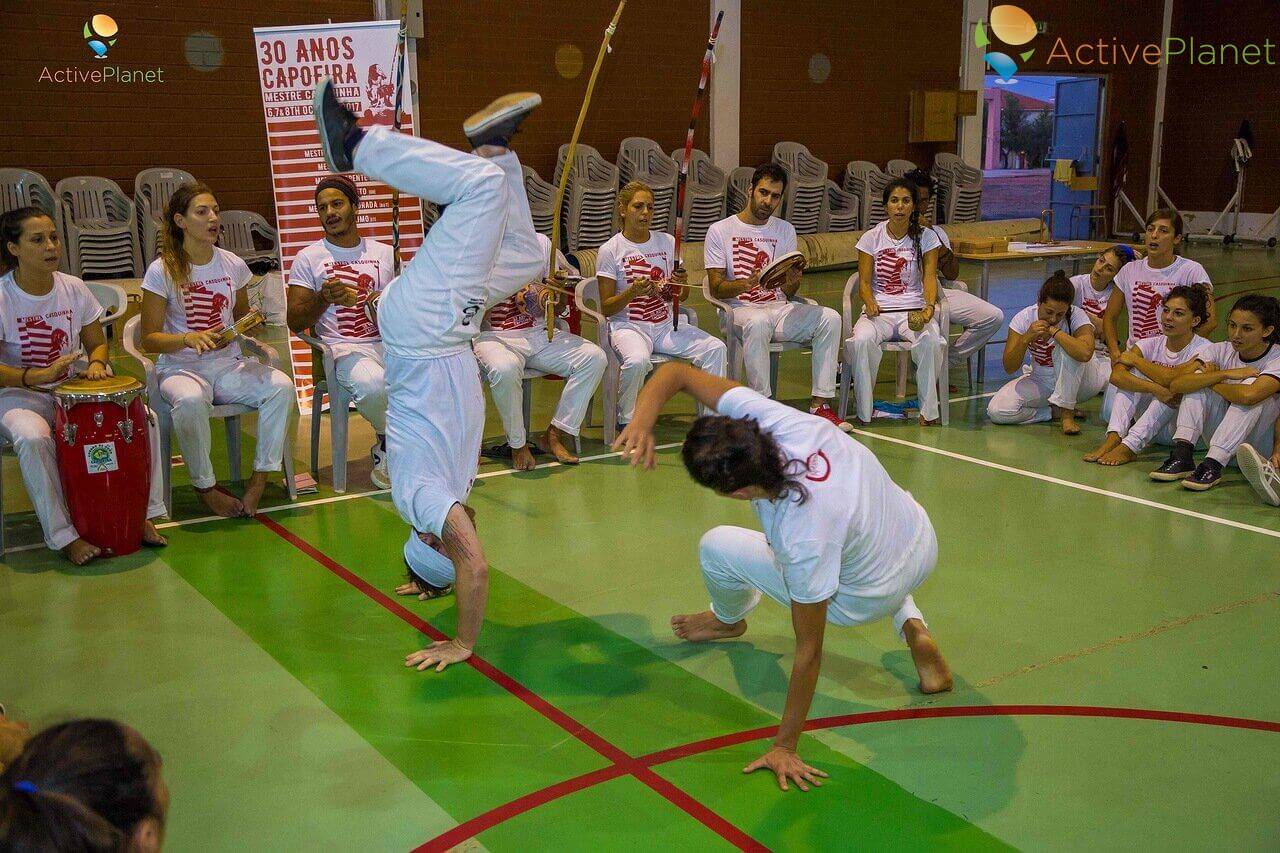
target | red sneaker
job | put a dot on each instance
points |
(827, 413)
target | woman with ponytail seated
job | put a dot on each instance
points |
(898, 284)
(1061, 372)
(86, 785)
(190, 294)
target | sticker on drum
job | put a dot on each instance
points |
(101, 458)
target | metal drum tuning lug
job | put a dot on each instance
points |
(97, 419)
(69, 434)
(126, 430)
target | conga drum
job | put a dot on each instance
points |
(104, 459)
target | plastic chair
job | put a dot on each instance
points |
(843, 210)
(899, 168)
(865, 181)
(587, 297)
(112, 298)
(339, 411)
(152, 189)
(902, 348)
(24, 188)
(706, 194)
(101, 228)
(805, 203)
(6, 449)
(739, 189)
(733, 338)
(642, 159)
(542, 200)
(587, 219)
(239, 227)
(228, 413)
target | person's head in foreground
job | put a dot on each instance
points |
(1185, 308)
(735, 458)
(1164, 236)
(85, 785)
(1053, 304)
(1107, 264)
(1254, 324)
(29, 243)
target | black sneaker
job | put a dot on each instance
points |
(337, 125)
(498, 122)
(1207, 475)
(1178, 466)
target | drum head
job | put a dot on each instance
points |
(776, 272)
(111, 385)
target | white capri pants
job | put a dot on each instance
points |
(869, 333)
(26, 421)
(362, 374)
(797, 322)
(1140, 419)
(505, 355)
(637, 342)
(979, 319)
(1226, 425)
(1027, 399)
(194, 388)
(738, 566)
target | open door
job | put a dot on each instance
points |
(1077, 106)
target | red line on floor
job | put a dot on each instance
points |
(622, 763)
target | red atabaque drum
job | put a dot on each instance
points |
(104, 459)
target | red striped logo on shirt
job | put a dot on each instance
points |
(207, 305)
(1145, 308)
(508, 316)
(352, 322)
(750, 255)
(889, 266)
(645, 309)
(41, 342)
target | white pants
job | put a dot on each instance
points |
(435, 421)
(194, 388)
(979, 319)
(637, 342)
(1140, 419)
(738, 565)
(1027, 399)
(362, 374)
(26, 421)
(1227, 425)
(505, 355)
(481, 250)
(926, 351)
(798, 322)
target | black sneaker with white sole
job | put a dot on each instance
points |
(1260, 473)
(337, 125)
(1178, 466)
(1207, 475)
(498, 122)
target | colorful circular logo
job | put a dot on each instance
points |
(100, 33)
(1013, 26)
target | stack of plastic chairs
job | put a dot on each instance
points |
(152, 189)
(587, 220)
(24, 188)
(542, 201)
(239, 227)
(739, 189)
(805, 203)
(706, 194)
(959, 189)
(843, 210)
(865, 181)
(101, 228)
(641, 159)
(899, 168)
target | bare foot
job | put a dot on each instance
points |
(926, 422)
(1108, 444)
(253, 493)
(552, 443)
(81, 552)
(522, 459)
(151, 536)
(704, 626)
(220, 503)
(1068, 418)
(935, 675)
(1118, 455)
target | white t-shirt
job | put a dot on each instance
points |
(1225, 356)
(1144, 290)
(853, 531)
(508, 315)
(1093, 301)
(1156, 350)
(897, 275)
(368, 266)
(1040, 353)
(626, 263)
(741, 249)
(205, 303)
(36, 331)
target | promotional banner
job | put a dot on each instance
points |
(360, 58)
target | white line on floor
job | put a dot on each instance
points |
(1239, 525)
(972, 397)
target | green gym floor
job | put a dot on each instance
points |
(1114, 646)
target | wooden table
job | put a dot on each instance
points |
(1073, 250)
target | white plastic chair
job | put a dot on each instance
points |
(238, 229)
(805, 203)
(588, 216)
(587, 298)
(899, 168)
(706, 194)
(733, 339)
(112, 298)
(865, 181)
(843, 210)
(642, 159)
(228, 413)
(739, 189)
(339, 412)
(24, 188)
(902, 348)
(152, 189)
(101, 228)
(542, 200)
(6, 449)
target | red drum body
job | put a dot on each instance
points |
(104, 460)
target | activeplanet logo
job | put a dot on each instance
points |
(1013, 26)
(101, 32)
